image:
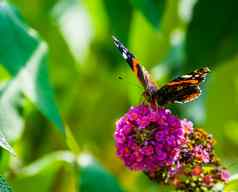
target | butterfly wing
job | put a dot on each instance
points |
(141, 73)
(182, 89)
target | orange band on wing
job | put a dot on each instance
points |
(190, 81)
(135, 62)
(137, 69)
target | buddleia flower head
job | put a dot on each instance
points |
(148, 139)
(168, 149)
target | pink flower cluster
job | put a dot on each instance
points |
(166, 148)
(148, 138)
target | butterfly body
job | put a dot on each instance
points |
(180, 90)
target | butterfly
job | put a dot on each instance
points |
(180, 90)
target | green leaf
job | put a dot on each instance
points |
(232, 184)
(5, 145)
(17, 40)
(153, 10)
(71, 141)
(47, 163)
(4, 187)
(94, 178)
(34, 83)
(25, 56)
(40, 174)
(212, 36)
(11, 122)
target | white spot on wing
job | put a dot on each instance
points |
(124, 55)
(186, 76)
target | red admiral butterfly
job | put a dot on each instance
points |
(180, 90)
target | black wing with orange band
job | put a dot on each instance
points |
(141, 73)
(182, 89)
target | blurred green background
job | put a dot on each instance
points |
(60, 94)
